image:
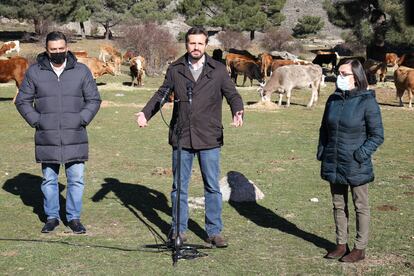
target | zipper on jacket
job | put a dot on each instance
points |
(337, 130)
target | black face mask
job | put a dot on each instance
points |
(58, 58)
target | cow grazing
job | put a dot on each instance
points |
(330, 58)
(137, 68)
(9, 47)
(285, 78)
(113, 54)
(375, 70)
(266, 64)
(98, 67)
(13, 68)
(80, 53)
(248, 68)
(404, 81)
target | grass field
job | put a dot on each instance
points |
(127, 205)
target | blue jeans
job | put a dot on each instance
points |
(50, 189)
(209, 161)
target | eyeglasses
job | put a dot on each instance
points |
(345, 74)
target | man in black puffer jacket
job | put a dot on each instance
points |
(59, 98)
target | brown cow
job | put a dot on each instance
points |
(391, 59)
(375, 69)
(266, 64)
(97, 67)
(231, 57)
(13, 68)
(9, 47)
(404, 81)
(114, 56)
(137, 68)
(248, 68)
(80, 53)
(281, 62)
(129, 54)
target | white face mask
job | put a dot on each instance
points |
(342, 83)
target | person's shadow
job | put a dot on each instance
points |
(146, 201)
(27, 186)
(265, 217)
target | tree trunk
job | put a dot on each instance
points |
(107, 31)
(82, 27)
(251, 35)
(38, 25)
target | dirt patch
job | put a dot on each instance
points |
(261, 105)
(12, 253)
(162, 171)
(409, 193)
(406, 176)
(386, 207)
(105, 104)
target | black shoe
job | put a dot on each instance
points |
(50, 225)
(77, 226)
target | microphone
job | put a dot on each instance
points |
(190, 92)
(165, 92)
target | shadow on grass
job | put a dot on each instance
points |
(6, 99)
(27, 186)
(265, 217)
(140, 198)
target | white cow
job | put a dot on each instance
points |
(285, 78)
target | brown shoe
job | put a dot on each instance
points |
(339, 251)
(218, 241)
(356, 255)
(183, 237)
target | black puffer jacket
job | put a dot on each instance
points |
(59, 108)
(350, 133)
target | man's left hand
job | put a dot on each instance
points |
(238, 119)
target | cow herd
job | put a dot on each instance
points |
(278, 72)
(286, 71)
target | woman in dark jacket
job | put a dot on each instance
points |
(350, 132)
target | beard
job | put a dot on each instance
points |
(196, 55)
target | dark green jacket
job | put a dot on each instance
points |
(350, 132)
(59, 108)
(202, 122)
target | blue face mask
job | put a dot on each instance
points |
(342, 83)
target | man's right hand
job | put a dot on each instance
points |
(141, 120)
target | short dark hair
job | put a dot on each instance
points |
(195, 31)
(361, 81)
(55, 35)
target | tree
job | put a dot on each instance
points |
(82, 12)
(145, 11)
(236, 15)
(38, 11)
(373, 21)
(307, 25)
(110, 13)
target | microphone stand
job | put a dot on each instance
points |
(181, 251)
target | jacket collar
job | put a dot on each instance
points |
(44, 61)
(182, 66)
(354, 93)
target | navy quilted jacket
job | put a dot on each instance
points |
(59, 108)
(350, 132)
